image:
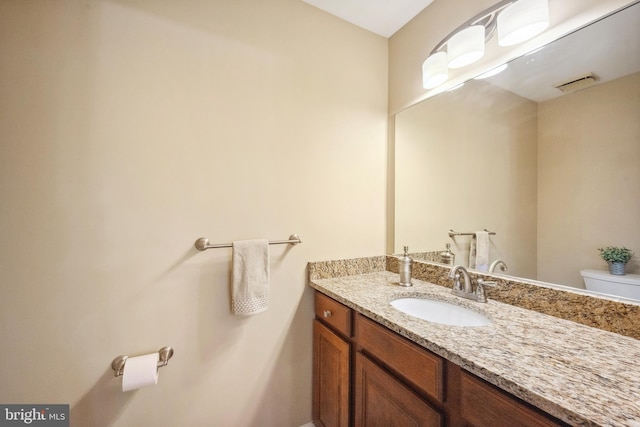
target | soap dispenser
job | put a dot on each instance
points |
(448, 257)
(405, 268)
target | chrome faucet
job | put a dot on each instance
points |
(498, 262)
(455, 275)
(466, 290)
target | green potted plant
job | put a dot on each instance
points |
(616, 257)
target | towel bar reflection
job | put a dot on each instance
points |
(202, 244)
(457, 233)
(164, 354)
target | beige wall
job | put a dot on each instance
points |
(130, 128)
(466, 160)
(588, 178)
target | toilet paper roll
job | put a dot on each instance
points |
(140, 371)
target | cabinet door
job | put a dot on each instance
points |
(330, 378)
(382, 401)
(485, 405)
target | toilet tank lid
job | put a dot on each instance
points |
(631, 279)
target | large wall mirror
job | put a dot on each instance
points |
(545, 154)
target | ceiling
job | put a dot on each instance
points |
(608, 39)
(608, 49)
(383, 17)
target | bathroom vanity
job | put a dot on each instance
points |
(397, 382)
(375, 365)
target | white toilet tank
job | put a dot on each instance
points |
(627, 286)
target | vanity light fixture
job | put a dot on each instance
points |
(466, 46)
(516, 21)
(435, 70)
(521, 21)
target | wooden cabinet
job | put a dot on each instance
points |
(423, 369)
(366, 375)
(331, 363)
(381, 400)
(334, 314)
(482, 404)
(331, 376)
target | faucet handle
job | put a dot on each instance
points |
(481, 296)
(490, 284)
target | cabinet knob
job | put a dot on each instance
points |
(326, 313)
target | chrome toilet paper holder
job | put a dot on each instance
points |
(164, 354)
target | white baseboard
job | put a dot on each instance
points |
(309, 425)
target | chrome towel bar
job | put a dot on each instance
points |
(202, 244)
(457, 233)
(164, 354)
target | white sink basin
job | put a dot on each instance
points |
(440, 312)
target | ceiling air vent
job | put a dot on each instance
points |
(577, 83)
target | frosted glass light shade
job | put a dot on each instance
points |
(521, 21)
(466, 46)
(434, 70)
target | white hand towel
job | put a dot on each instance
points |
(479, 251)
(472, 252)
(250, 292)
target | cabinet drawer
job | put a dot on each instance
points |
(482, 404)
(414, 364)
(333, 314)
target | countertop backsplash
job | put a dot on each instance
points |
(608, 314)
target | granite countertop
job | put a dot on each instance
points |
(579, 374)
